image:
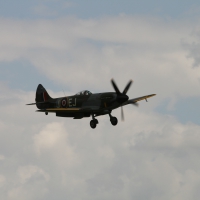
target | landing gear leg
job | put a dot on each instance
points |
(113, 120)
(93, 122)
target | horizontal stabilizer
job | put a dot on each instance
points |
(30, 104)
(46, 102)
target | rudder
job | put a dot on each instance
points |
(42, 95)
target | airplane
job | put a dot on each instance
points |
(85, 104)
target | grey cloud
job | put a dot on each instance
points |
(70, 50)
(151, 156)
(192, 45)
(148, 156)
(194, 50)
(52, 8)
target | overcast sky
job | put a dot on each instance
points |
(69, 46)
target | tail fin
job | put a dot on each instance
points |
(42, 98)
(42, 95)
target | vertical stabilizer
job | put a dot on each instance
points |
(41, 96)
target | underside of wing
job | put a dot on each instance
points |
(60, 110)
(76, 113)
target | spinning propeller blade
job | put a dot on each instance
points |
(127, 87)
(122, 114)
(115, 87)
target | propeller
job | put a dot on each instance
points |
(122, 114)
(122, 97)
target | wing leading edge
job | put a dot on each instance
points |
(135, 100)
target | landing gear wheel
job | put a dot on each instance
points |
(114, 121)
(93, 124)
(46, 113)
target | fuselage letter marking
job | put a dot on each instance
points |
(71, 103)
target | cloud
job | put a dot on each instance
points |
(150, 155)
(2, 180)
(26, 173)
(53, 139)
(52, 8)
(2, 157)
(194, 48)
(29, 184)
(70, 50)
(147, 155)
(44, 10)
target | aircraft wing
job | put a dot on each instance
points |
(134, 101)
(68, 110)
(59, 110)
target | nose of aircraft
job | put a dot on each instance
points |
(122, 98)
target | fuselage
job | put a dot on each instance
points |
(91, 103)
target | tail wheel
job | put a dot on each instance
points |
(93, 124)
(114, 121)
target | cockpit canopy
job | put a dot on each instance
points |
(84, 92)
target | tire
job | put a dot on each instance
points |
(114, 121)
(93, 124)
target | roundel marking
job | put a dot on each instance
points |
(63, 103)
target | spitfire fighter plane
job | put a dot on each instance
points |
(86, 104)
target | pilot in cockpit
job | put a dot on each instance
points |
(85, 92)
